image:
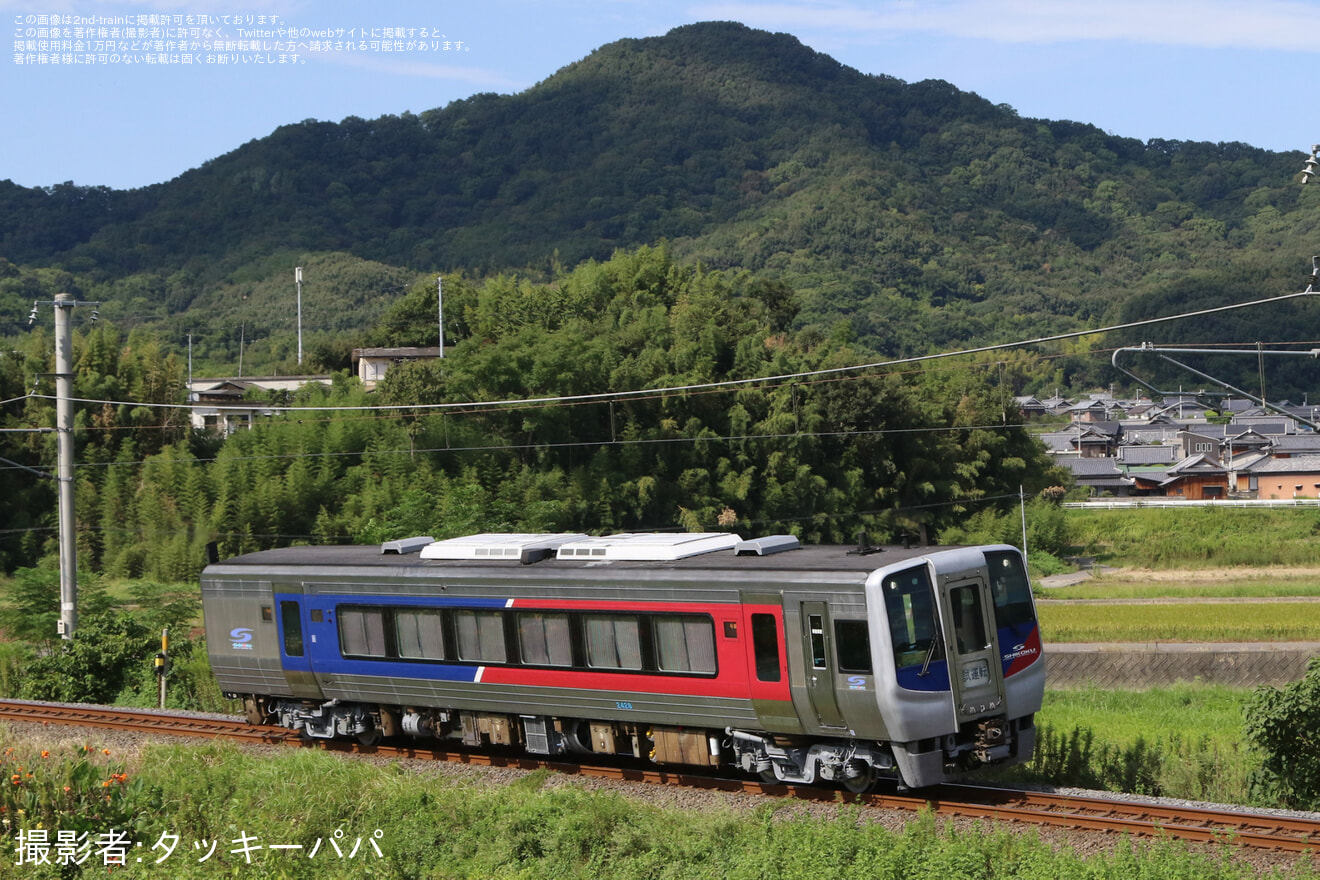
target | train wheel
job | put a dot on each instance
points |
(862, 782)
(768, 777)
(369, 737)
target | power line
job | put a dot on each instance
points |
(728, 383)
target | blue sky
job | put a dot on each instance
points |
(1210, 70)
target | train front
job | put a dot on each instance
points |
(961, 675)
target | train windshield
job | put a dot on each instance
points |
(1011, 589)
(910, 605)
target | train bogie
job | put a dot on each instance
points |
(800, 665)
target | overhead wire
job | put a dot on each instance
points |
(731, 383)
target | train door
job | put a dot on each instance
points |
(819, 666)
(291, 617)
(975, 673)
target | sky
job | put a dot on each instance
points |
(1211, 70)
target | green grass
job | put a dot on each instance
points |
(1192, 710)
(1198, 537)
(473, 825)
(1182, 741)
(1183, 622)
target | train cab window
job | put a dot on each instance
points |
(481, 636)
(853, 643)
(361, 632)
(910, 607)
(545, 639)
(419, 635)
(291, 620)
(684, 644)
(613, 641)
(765, 646)
(968, 621)
(1010, 588)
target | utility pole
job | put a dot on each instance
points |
(64, 304)
(297, 279)
(440, 308)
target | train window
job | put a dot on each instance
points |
(419, 634)
(852, 640)
(968, 621)
(362, 632)
(481, 636)
(292, 623)
(684, 644)
(910, 606)
(765, 646)
(545, 639)
(817, 629)
(613, 641)
(1010, 588)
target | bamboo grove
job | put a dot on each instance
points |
(822, 457)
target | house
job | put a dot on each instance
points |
(1100, 475)
(225, 405)
(371, 364)
(1294, 477)
(1202, 440)
(1198, 477)
(1289, 445)
(1084, 439)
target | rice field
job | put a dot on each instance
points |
(1181, 622)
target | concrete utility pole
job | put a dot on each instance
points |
(64, 303)
(64, 470)
(297, 279)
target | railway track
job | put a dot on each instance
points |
(1202, 825)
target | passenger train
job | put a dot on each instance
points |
(802, 664)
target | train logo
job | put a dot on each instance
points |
(241, 638)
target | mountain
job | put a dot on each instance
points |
(917, 216)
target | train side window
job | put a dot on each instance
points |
(361, 632)
(816, 624)
(420, 634)
(613, 641)
(910, 607)
(291, 620)
(852, 641)
(765, 646)
(684, 644)
(545, 639)
(481, 636)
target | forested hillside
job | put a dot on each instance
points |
(918, 215)
(713, 204)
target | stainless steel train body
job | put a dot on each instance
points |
(801, 664)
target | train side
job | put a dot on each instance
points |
(800, 664)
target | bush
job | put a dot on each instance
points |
(1282, 722)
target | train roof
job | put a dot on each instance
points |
(765, 554)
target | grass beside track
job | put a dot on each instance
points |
(1184, 741)
(434, 823)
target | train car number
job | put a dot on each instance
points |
(619, 704)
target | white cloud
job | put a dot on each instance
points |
(1288, 25)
